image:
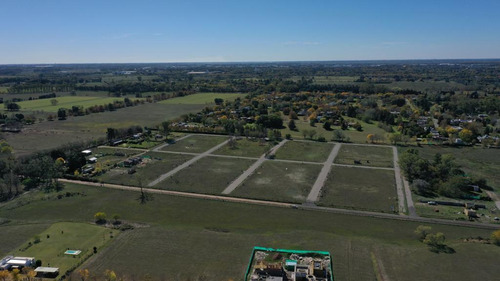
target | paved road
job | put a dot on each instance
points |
(288, 205)
(186, 164)
(399, 181)
(320, 180)
(232, 186)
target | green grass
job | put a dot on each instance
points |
(209, 175)
(63, 236)
(64, 102)
(147, 171)
(359, 188)
(214, 239)
(245, 147)
(195, 143)
(279, 181)
(108, 157)
(202, 98)
(49, 135)
(14, 235)
(368, 155)
(304, 151)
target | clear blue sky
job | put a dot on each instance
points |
(77, 31)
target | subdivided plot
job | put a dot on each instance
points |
(209, 175)
(139, 171)
(364, 155)
(362, 189)
(279, 181)
(305, 151)
(195, 143)
(245, 147)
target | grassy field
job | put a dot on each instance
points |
(304, 151)
(61, 236)
(195, 143)
(147, 171)
(245, 147)
(65, 102)
(209, 175)
(359, 188)
(202, 98)
(213, 240)
(108, 157)
(49, 135)
(279, 181)
(368, 155)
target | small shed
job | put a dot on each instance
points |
(92, 160)
(87, 152)
(470, 213)
(47, 272)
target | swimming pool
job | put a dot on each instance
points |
(72, 252)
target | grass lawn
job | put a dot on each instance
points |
(195, 143)
(375, 156)
(65, 102)
(195, 238)
(61, 236)
(245, 147)
(359, 188)
(210, 175)
(305, 151)
(202, 98)
(147, 171)
(279, 181)
(108, 157)
(49, 135)
(14, 235)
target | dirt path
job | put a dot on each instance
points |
(399, 182)
(186, 164)
(409, 200)
(232, 186)
(494, 197)
(320, 180)
(160, 147)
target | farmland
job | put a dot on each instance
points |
(195, 144)
(304, 151)
(202, 98)
(65, 102)
(373, 156)
(208, 236)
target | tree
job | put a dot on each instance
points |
(218, 101)
(110, 275)
(421, 187)
(165, 128)
(84, 274)
(434, 240)
(61, 114)
(111, 134)
(291, 125)
(395, 138)
(116, 218)
(495, 237)
(327, 126)
(54, 102)
(422, 231)
(100, 217)
(4, 275)
(466, 135)
(370, 137)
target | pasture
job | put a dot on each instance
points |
(304, 151)
(195, 143)
(202, 98)
(209, 175)
(360, 188)
(279, 181)
(213, 239)
(373, 156)
(59, 237)
(65, 102)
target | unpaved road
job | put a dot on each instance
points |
(323, 175)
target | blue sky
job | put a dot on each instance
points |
(73, 31)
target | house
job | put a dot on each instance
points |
(10, 262)
(87, 152)
(470, 213)
(92, 160)
(47, 272)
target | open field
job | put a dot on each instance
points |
(195, 143)
(209, 175)
(304, 151)
(147, 171)
(48, 135)
(65, 102)
(14, 235)
(358, 188)
(245, 147)
(214, 240)
(108, 157)
(202, 98)
(279, 181)
(59, 237)
(374, 156)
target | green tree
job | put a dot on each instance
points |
(61, 114)
(466, 135)
(291, 125)
(495, 237)
(422, 231)
(100, 217)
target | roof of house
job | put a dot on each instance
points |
(47, 269)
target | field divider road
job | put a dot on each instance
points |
(399, 182)
(161, 146)
(187, 164)
(287, 205)
(233, 156)
(178, 152)
(237, 182)
(412, 212)
(323, 175)
(363, 167)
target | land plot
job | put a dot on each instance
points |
(305, 151)
(153, 165)
(202, 98)
(59, 237)
(374, 156)
(359, 188)
(108, 157)
(15, 235)
(64, 102)
(279, 181)
(210, 175)
(245, 147)
(195, 144)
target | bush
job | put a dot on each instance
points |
(100, 217)
(495, 237)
